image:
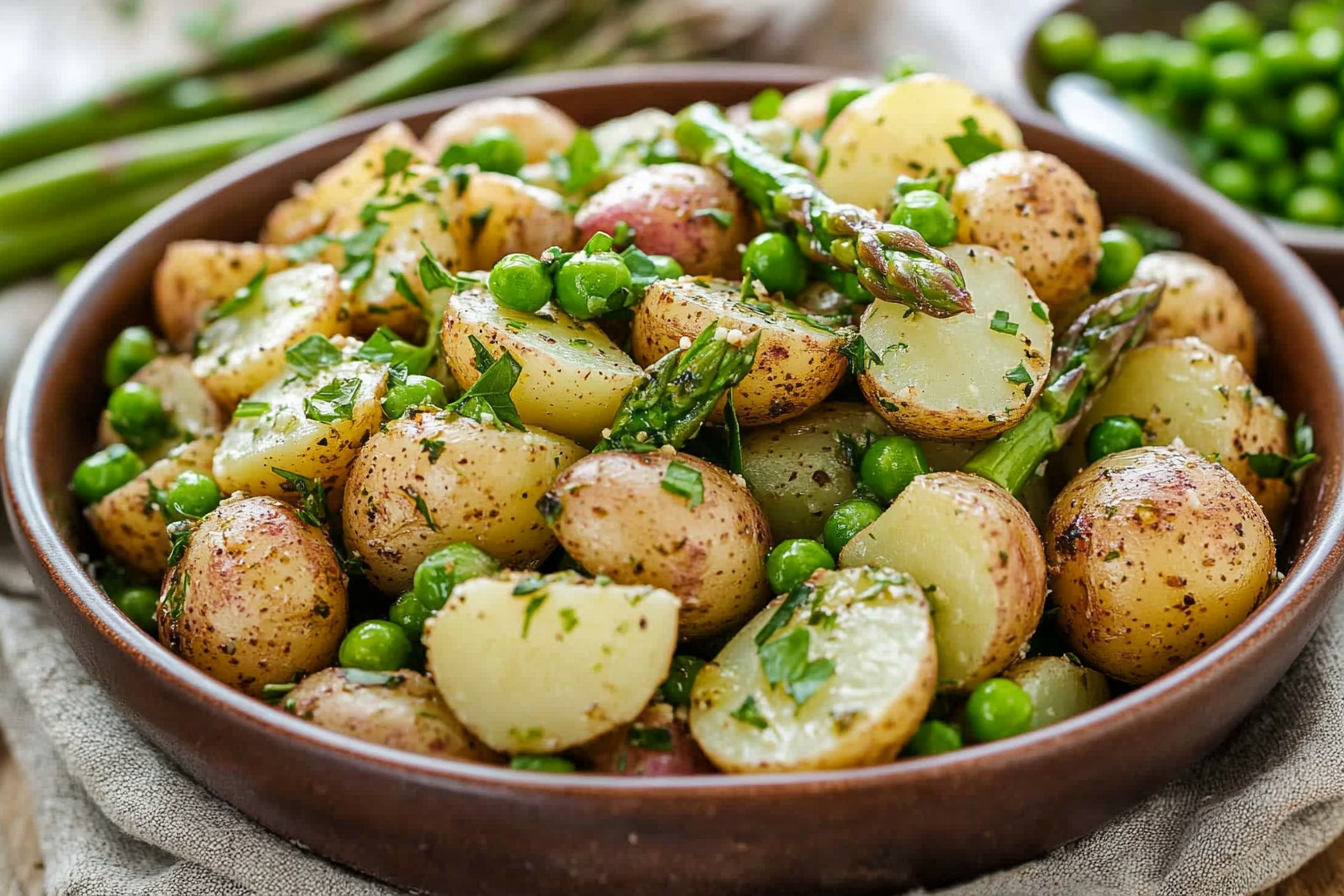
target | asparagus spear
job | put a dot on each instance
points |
(892, 262)
(669, 406)
(1082, 363)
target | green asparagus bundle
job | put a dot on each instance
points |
(1081, 365)
(893, 263)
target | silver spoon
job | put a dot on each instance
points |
(1087, 106)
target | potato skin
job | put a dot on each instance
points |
(1036, 209)
(660, 202)
(1200, 300)
(257, 598)
(614, 517)
(497, 215)
(614, 754)
(404, 712)
(541, 127)
(1154, 554)
(481, 485)
(196, 275)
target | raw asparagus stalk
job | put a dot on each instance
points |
(893, 263)
(670, 405)
(649, 31)
(1082, 363)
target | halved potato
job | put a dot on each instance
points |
(843, 682)
(533, 664)
(798, 362)
(191, 409)
(971, 376)
(241, 352)
(541, 127)
(497, 215)
(981, 563)
(573, 376)
(197, 275)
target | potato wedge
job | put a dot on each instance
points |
(1183, 390)
(541, 127)
(965, 377)
(1200, 300)
(130, 526)
(538, 665)
(497, 215)
(981, 563)
(239, 353)
(192, 410)
(429, 480)
(798, 362)
(1058, 689)
(257, 598)
(573, 376)
(622, 515)
(197, 275)
(842, 683)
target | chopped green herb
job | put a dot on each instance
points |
(395, 161)
(734, 430)
(1269, 465)
(1001, 324)
(478, 220)
(533, 605)
(568, 619)
(179, 535)
(313, 509)
(1020, 376)
(749, 714)
(359, 251)
(860, 356)
(650, 738)
(434, 448)
(369, 212)
(722, 218)
(240, 299)
(529, 585)
(311, 355)
(248, 409)
(175, 598)
(549, 506)
(580, 164)
(1112, 555)
(490, 394)
(274, 693)
(766, 104)
(334, 401)
(784, 658)
(553, 764)
(421, 507)
(809, 679)
(434, 275)
(386, 347)
(1038, 308)
(685, 482)
(308, 249)
(972, 145)
(785, 612)
(484, 359)
(823, 160)
(404, 290)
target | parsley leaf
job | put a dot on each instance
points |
(359, 251)
(313, 509)
(766, 104)
(860, 356)
(385, 347)
(580, 164)
(395, 161)
(1020, 376)
(240, 299)
(785, 612)
(490, 394)
(784, 658)
(483, 357)
(1269, 465)
(722, 218)
(972, 145)
(334, 401)
(684, 481)
(643, 273)
(809, 679)
(650, 738)
(311, 355)
(734, 435)
(421, 506)
(434, 448)
(434, 275)
(750, 714)
(1038, 308)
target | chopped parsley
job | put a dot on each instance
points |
(1001, 324)
(750, 714)
(650, 738)
(580, 165)
(490, 394)
(395, 161)
(385, 347)
(421, 507)
(722, 218)
(484, 359)
(1269, 465)
(734, 431)
(308, 249)
(311, 355)
(1112, 555)
(1020, 376)
(434, 448)
(785, 612)
(241, 298)
(334, 401)
(766, 104)
(1038, 308)
(248, 409)
(179, 536)
(972, 146)
(568, 619)
(859, 355)
(534, 604)
(359, 255)
(685, 482)
(403, 288)
(313, 509)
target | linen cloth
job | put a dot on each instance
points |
(116, 818)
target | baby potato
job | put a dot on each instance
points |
(966, 377)
(130, 525)
(534, 664)
(197, 275)
(573, 376)
(806, 108)
(347, 183)
(302, 430)
(658, 744)
(191, 409)
(240, 352)
(429, 480)
(617, 515)
(1200, 300)
(669, 209)
(982, 566)
(257, 598)
(542, 128)
(1155, 554)
(1036, 209)
(798, 363)
(1183, 390)
(1058, 689)
(902, 128)
(799, 471)
(497, 215)
(402, 710)
(840, 679)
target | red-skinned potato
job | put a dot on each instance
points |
(656, 745)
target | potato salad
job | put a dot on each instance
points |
(823, 431)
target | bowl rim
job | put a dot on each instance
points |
(1320, 550)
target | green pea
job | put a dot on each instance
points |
(498, 149)
(590, 285)
(416, 392)
(1313, 111)
(1314, 204)
(1113, 435)
(676, 689)
(792, 562)
(1125, 60)
(445, 569)
(890, 464)
(1308, 16)
(1067, 42)
(1184, 70)
(555, 764)
(1325, 49)
(845, 283)
(846, 91)
(137, 415)
(139, 604)
(1285, 57)
(1238, 75)
(776, 261)
(1223, 26)
(846, 521)
(133, 348)
(667, 267)
(1321, 166)
(1263, 145)
(1235, 179)
(99, 475)
(191, 496)
(1120, 256)
(377, 645)
(520, 282)
(933, 737)
(1223, 120)
(407, 612)
(1278, 183)
(929, 214)
(996, 709)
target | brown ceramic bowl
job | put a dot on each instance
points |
(455, 828)
(1320, 247)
